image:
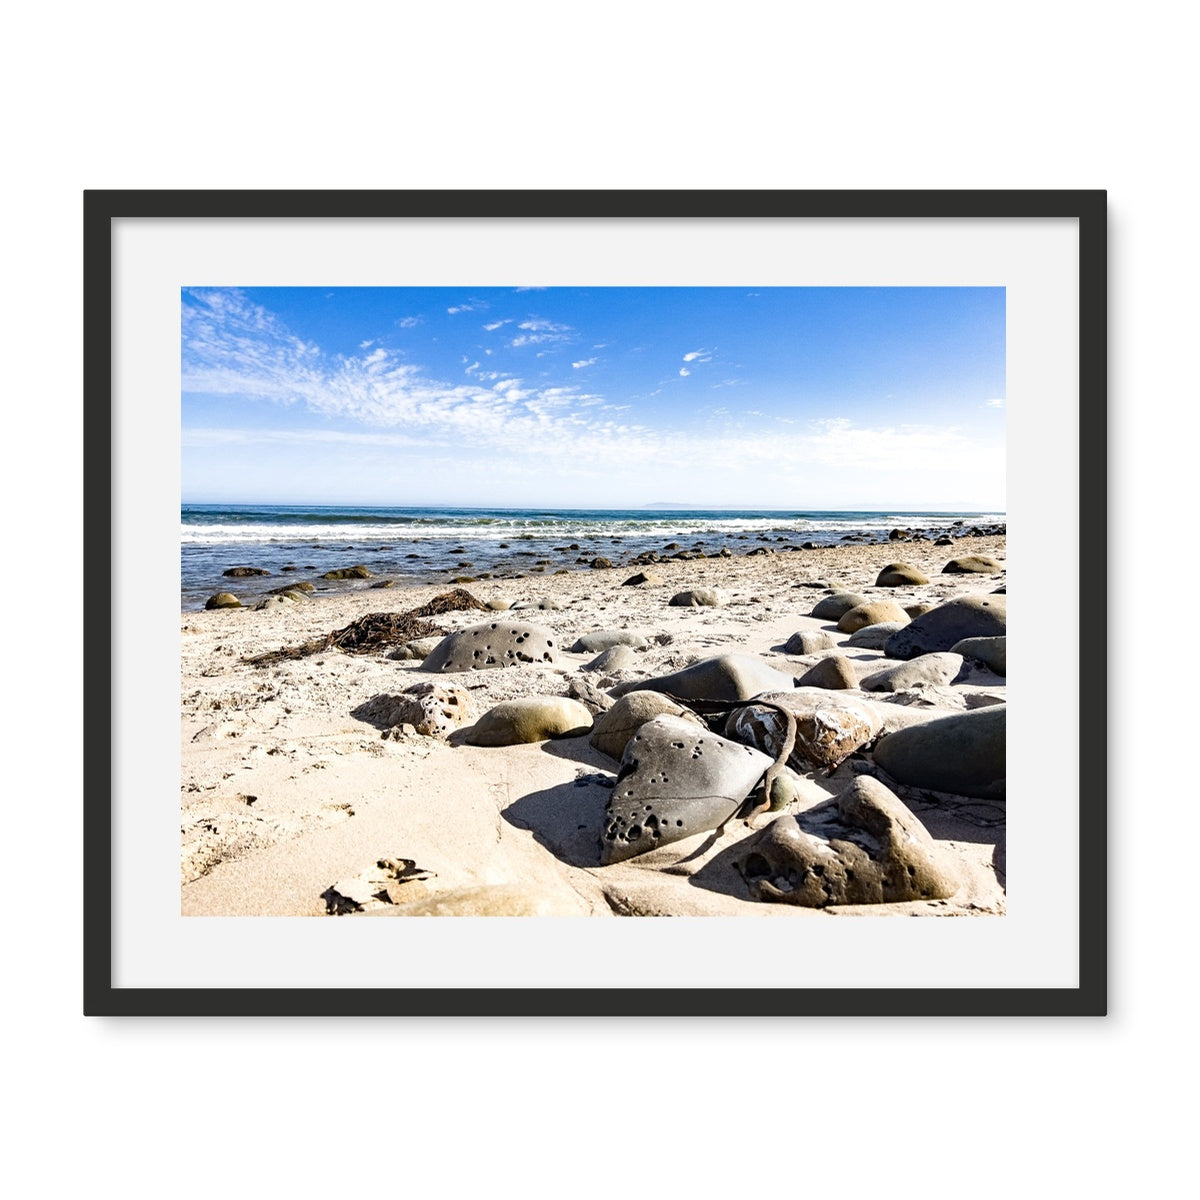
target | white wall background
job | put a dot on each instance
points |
(638, 95)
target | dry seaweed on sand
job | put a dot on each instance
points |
(376, 631)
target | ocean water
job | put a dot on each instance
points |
(422, 545)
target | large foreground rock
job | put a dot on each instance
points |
(531, 719)
(941, 627)
(492, 644)
(991, 651)
(862, 847)
(675, 781)
(723, 677)
(963, 754)
(829, 727)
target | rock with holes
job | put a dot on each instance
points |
(612, 730)
(832, 608)
(829, 727)
(962, 617)
(963, 754)
(605, 639)
(899, 574)
(835, 672)
(927, 669)
(431, 709)
(700, 597)
(493, 644)
(872, 613)
(675, 781)
(723, 677)
(809, 641)
(530, 719)
(862, 847)
(973, 564)
(873, 637)
(991, 651)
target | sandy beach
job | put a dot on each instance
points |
(299, 796)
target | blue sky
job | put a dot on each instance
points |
(875, 398)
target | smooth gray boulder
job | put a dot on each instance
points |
(862, 847)
(605, 639)
(675, 781)
(615, 658)
(991, 651)
(492, 644)
(934, 669)
(723, 677)
(963, 754)
(700, 597)
(832, 608)
(531, 719)
(809, 641)
(612, 730)
(940, 628)
(829, 726)
(873, 637)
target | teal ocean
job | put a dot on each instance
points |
(420, 545)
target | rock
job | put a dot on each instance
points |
(612, 730)
(899, 574)
(358, 572)
(491, 900)
(222, 600)
(873, 637)
(431, 709)
(592, 643)
(497, 605)
(283, 600)
(644, 578)
(301, 585)
(531, 719)
(601, 564)
(675, 781)
(872, 613)
(862, 847)
(809, 641)
(918, 609)
(239, 572)
(615, 658)
(834, 672)
(973, 564)
(832, 608)
(544, 605)
(950, 622)
(389, 881)
(591, 697)
(944, 541)
(934, 669)
(963, 754)
(698, 597)
(418, 648)
(724, 677)
(988, 650)
(829, 727)
(492, 644)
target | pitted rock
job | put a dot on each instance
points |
(612, 730)
(492, 644)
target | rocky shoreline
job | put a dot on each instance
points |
(818, 732)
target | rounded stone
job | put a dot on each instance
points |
(222, 600)
(833, 608)
(492, 644)
(241, 572)
(829, 727)
(872, 613)
(700, 597)
(873, 637)
(940, 628)
(963, 754)
(928, 669)
(611, 730)
(605, 639)
(991, 651)
(358, 572)
(973, 564)
(834, 673)
(809, 641)
(644, 579)
(530, 719)
(615, 658)
(723, 677)
(899, 574)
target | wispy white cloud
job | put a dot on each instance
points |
(469, 306)
(364, 345)
(496, 324)
(698, 356)
(684, 371)
(584, 362)
(409, 322)
(996, 402)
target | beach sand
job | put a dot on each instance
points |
(290, 803)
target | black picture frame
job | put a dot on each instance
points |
(102, 208)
